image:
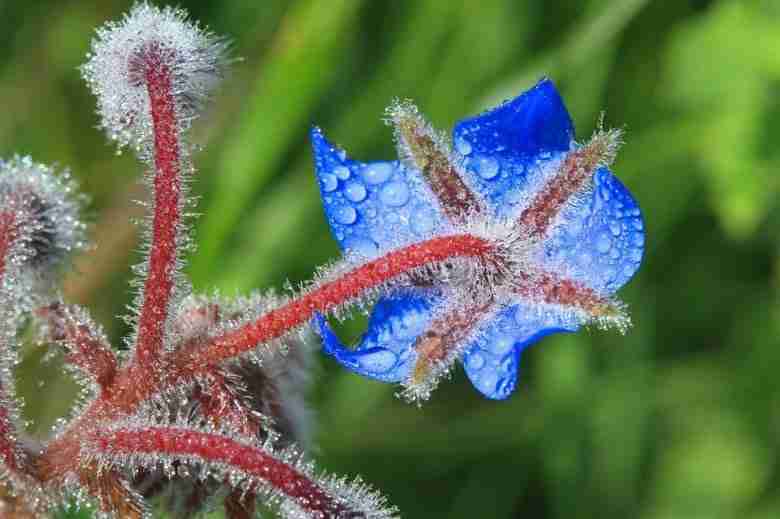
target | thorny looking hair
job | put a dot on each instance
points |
(210, 397)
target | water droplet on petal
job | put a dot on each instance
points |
(377, 173)
(422, 221)
(342, 172)
(346, 215)
(476, 361)
(488, 167)
(363, 246)
(463, 146)
(603, 243)
(329, 182)
(638, 224)
(501, 345)
(394, 194)
(638, 239)
(614, 226)
(355, 191)
(379, 361)
(487, 381)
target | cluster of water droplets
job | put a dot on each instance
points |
(598, 238)
(374, 207)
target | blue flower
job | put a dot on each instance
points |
(516, 172)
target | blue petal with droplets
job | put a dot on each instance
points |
(506, 148)
(373, 207)
(491, 361)
(385, 351)
(600, 239)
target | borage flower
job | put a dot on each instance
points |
(562, 234)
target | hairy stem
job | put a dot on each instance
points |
(160, 279)
(259, 465)
(335, 293)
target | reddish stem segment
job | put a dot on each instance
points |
(7, 238)
(167, 209)
(8, 447)
(443, 336)
(429, 155)
(571, 177)
(335, 293)
(85, 348)
(556, 290)
(256, 463)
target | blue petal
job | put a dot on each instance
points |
(385, 351)
(376, 206)
(600, 240)
(502, 147)
(491, 362)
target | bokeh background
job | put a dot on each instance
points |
(680, 418)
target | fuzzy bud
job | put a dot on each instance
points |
(45, 208)
(149, 41)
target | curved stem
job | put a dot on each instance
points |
(260, 466)
(160, 280)
(335, 293)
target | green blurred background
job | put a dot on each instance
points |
(678, 419)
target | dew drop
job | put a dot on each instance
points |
(476, 361)
(615, 228)
(346, 215)
(487, 381)
(603, 243)
(363, 246)
(342, 172)
(638, 224)
(355, 191)
(488, 167)
(463, 146)
(501, 345)
(377, 173)
(422, 221)
(585, 259)
(638, 239)
(394, 194)
(329, 182)
(379, 361)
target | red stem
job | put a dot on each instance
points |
(214, 448)
(7, 239)
(167, 210)
(330, 295)
(8, 446)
